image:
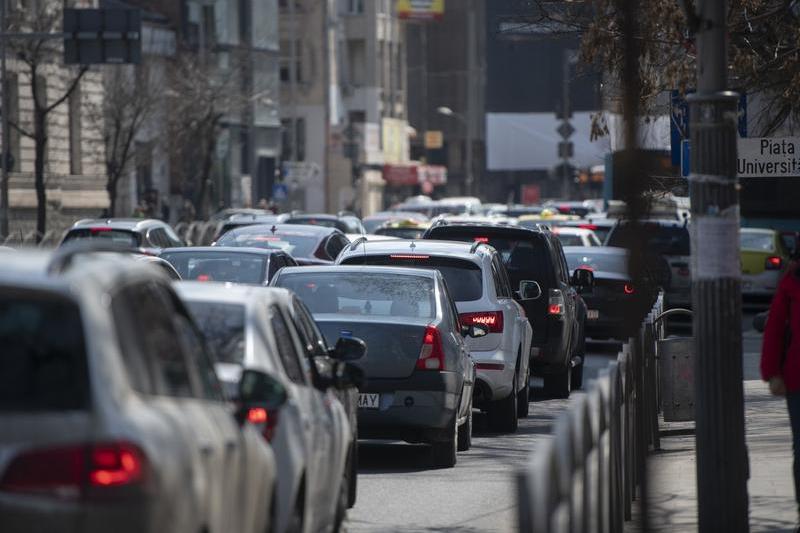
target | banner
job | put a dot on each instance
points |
(420, 9)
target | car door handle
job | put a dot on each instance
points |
(206, 450)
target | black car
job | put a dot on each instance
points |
(241, 220)
(250, 266)
(615, 305)
(344, 223)
(309, 245)
(146, 234)
(558, 315)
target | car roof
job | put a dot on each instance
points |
(666, 222)
(394, 270)
(596, 250)
(286, 229)
(129, 224)
(766, 231)
(323, 216)
(230, 293)
(222, 249)
(571, 230)
(494, 227)
(460, 250)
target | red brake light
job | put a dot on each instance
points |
(69, 471)
(588, 226)
(265, 420)
(203, 277)
(774, 263)
(491, 319)
(409, 256)
(257, 415)
(482, 239)
(555, 303)
(431, 355)
(628, 288)
(555, 309)
(100, 229)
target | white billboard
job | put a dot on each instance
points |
(768, 157)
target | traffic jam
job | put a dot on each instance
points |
(149, 385)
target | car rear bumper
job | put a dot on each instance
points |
(417, 409)
(763, 284)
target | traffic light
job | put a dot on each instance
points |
(98, 36)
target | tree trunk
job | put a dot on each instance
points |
(40, 150)
(205, 174)
(111, 188)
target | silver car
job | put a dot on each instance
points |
(253, 328)
(111, 416)
(418, 368)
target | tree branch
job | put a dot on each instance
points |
(68, 92)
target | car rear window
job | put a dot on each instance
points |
(665, 240)
(217, 266)
(757, 241)
(570, 240)
(118, 236)
(223, 327)
(363, 293)
(602, 261)
(293, 243)
(464, 278)
(42, 354)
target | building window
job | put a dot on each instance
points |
(75, 167)
(285, 61)
(355, 7)
(209, 27)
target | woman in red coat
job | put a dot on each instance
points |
(780, 356)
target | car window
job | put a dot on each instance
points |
(451, 306)
(286, 348)
(335, 246)
(757, 241)
(172, 237)
(275, 263)
(158, 339)
(222, 325)
(136, 365)
(43, 363)
(662, 239)
(121, 237)
(500, 279)
(198, 356)
(157, 238)
(234, 267)
(313, 341)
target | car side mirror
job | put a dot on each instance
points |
(529, 290)
(475, 331)
(259, 390)
(583, 279)
(349, 349)
(760, 321)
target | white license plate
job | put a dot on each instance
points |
(592, 314)
(369, 401)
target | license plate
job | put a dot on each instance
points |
(369, 401)
(592, 314)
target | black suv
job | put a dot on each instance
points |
(558, 313)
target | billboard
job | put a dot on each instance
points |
(420, 9)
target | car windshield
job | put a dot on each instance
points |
(464, 278)
(666, 240)
(757, 241)
(43, 356)
(219, 266)
(570, 240)
(117, 236)
(603, 262)
(295, 244)
(223, 327)
(363, 293)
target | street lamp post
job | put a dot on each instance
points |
(469, 178)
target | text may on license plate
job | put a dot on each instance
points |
(369, 401)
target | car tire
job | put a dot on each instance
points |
(444, 453)
(524, 397)
(503, 413)
(353, 487)
(559, 385)
(465, 432)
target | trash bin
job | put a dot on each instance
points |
(676, 370)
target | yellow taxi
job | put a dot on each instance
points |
(403, 229)
(548, 217)
(764, 260)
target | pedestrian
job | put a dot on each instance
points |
(780, 358)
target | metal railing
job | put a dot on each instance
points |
(585, 478)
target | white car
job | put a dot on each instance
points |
(478, 283)
(111, 416)
(576, 236)
(311, 435)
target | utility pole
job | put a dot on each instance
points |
(722, 463)
(293, 75)
(4, 144)
(469, 182)
(565, 130)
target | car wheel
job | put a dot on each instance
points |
(444, 453)
(465, 432)
(559, 385)
(524, 397)
(353, 487)
(503, 413)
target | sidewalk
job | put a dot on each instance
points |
(673, 502)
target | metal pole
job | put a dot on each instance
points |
(293, 77)
(722, 469)
(4, 144)
(566, 113)
(470, 178)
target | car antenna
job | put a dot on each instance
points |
(273, 229)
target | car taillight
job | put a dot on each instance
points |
(101, 229)
(773, 263)
(431, 355)
(628, 289)
(493, 320)
(265, 420)
(69, 471)
(555, 303)
(588, 226)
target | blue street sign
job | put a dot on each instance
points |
(679, 122)
(686, 146)
(280, 192)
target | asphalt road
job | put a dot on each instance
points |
(398, 491)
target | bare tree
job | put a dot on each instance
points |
(38, 57)
(130, 98)
(200, 97)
